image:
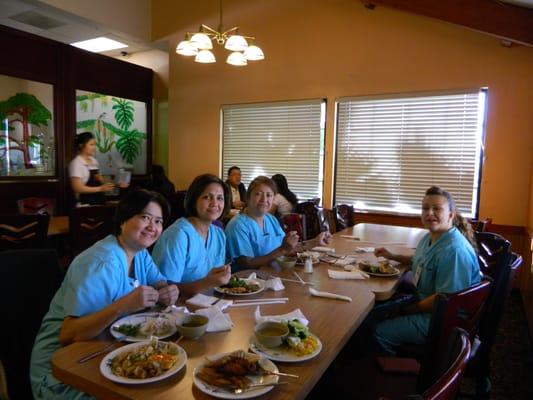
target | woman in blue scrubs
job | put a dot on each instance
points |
(114, 277)
(444, 262)
(192, 251)
(255, 237)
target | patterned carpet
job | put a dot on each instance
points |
(512, 356)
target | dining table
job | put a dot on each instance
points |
(58, 225)
(333, 321)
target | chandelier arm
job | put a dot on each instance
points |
(208, 29)
(234, 29)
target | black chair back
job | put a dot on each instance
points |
(30, 279)
(23, 231)
(36, 205)
(312, 220)
(344, 216)
(462, 309)
(87, 225)
(177, 206)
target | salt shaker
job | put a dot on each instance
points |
(308, 266)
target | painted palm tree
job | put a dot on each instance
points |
(28, 110)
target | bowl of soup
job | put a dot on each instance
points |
(271, 334)
(286, 261)
(192, 326)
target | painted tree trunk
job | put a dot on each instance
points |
(25, 138)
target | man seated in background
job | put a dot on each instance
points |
(237, 188)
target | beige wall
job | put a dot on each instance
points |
(128, 16)
(339, 48)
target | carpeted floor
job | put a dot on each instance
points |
(512, 355)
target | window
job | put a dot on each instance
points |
(390, 149)
(277, 138)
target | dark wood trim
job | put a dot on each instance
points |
(496, 18)
(67, 68)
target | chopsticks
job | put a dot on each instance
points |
(258, 302)
(295, 281)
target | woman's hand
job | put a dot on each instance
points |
(168, 295)
(141, 297)
(219, 276)
(106, 187)
(383, 252)
(323, 238)
(290, 241)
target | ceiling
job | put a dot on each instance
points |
(52, 23)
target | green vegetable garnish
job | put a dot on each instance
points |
(128, 329)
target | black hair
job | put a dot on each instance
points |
(134, 203)
(283, 189)
(81, 139)
(260, 180)
(459, 221)
(197, 187)
(232, 168)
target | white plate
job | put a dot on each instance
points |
(135, 319)
(105, 369)
(259, 282)
(247, 394)
(283, 353)
(395, 273)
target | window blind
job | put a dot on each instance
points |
(391, 149)
(276, 138)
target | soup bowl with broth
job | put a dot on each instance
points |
(271, 334)
(192, 326)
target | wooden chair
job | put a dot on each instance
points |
(501, 265)
(87, 225)
(328, 220)
(33, 271)
(23, 231)
(36, 205)
(294, 222)
(312, 221)
(344, 215)
(177, 206)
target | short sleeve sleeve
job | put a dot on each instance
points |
(76, 169)
(454, 272)
(170, 254)
(151, 272)
(238, 241)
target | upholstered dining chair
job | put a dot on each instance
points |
(294, 222)
(30, 271)
(36, 205)
(23, 231)
(345, 216)
(328, 220)
(312, 220)
(87, 225)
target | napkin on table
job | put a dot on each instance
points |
(328, 295)
(274, 284)
(218, 321)
(295, 314)
(334, 274)
(201, 300)
(324, 249)
(364, 249)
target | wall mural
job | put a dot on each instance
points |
(119, 126)
(27, 145)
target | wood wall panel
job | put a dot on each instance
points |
(67, 68)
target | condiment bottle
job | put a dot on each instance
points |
(308, 266)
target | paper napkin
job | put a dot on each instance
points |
(274, 284)
(328, 295)
(334, 274)
(295, 314)
(201, 300)
(218, 321)
(324, 249)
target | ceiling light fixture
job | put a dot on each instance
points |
(99, 44)
(200, 44)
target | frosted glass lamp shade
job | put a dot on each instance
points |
(186, 48)
(254, 53)
(205, 57)
(236, 59)
(201, 41)
(236, 43)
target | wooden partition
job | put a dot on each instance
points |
(67, 68)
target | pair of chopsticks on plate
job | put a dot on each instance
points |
(258, 302)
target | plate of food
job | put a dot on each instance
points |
(139, 327)
(241, 286)
(315, 256)
(382, 268)
(223, 375)
(300, 345)
(143, 362)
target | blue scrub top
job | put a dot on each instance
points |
(246, 238)
(448, 265)
(95, 279)
(183, 256)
